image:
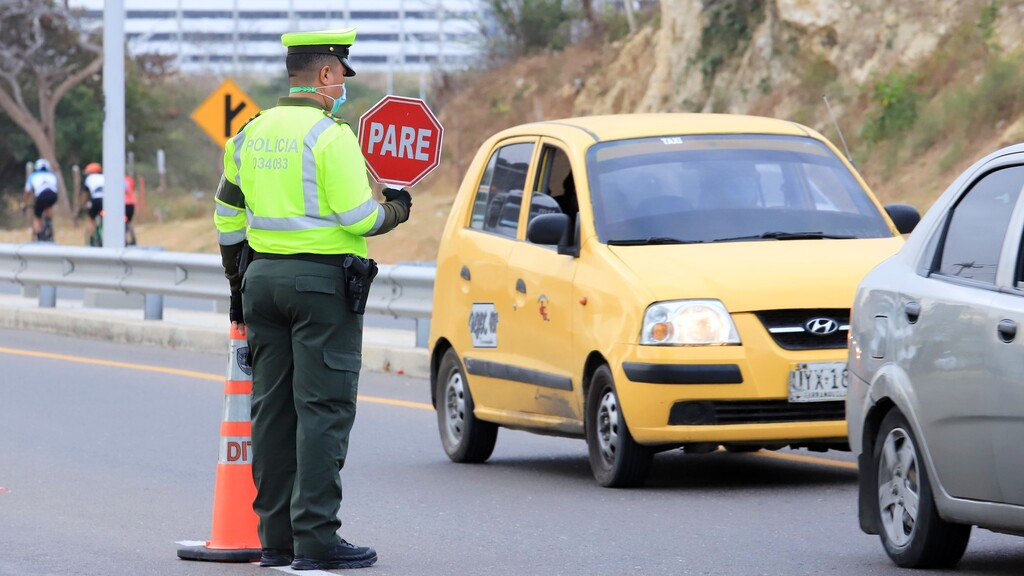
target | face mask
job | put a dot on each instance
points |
(337, 101)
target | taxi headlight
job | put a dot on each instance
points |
(688, 323)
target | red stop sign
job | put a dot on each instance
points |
(401, 140)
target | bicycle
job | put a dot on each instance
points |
(45, 233)
(96, 238)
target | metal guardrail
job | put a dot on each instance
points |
(400, 290)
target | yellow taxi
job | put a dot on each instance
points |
(649, 282)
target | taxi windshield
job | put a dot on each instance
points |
(726, 188)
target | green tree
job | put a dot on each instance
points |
(896, 110)
(527, 26)
(44, 54)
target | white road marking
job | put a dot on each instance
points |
(288, 570)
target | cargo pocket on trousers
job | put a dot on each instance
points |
(318, 284)
(346, 364)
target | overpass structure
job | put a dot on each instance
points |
(244, 36)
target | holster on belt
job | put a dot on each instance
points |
(359, 274)
(244, 258)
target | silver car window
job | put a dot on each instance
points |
(974, 235)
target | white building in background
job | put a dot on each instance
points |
(244, 36)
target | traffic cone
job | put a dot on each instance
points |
(234, 536)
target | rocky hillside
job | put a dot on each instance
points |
(920, 88)
(769, 56)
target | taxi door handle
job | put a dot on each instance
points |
(465, 273)
(520, 286)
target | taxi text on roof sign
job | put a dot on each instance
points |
(224, 112)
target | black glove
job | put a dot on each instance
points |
(400, 196)
(235, 310)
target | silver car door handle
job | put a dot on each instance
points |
(1007, 330)
(913, 311)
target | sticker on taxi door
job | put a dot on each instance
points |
(483, 325)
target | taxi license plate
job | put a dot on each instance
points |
(818, 382)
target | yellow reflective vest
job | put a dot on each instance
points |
(295, 179)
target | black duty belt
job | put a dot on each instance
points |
(329, 259)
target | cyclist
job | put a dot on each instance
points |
(129, 210)
(92, 196)
(42, 183)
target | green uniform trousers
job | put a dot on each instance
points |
(306, 352)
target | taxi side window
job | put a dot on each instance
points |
(555, 188)
(499, 196)
(974, 234)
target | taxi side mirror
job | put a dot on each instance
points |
(549, 229)
(904, 216)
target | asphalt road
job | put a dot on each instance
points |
(108, 456)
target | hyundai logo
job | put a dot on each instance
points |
(821, 326)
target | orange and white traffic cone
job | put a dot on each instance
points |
(234, 536)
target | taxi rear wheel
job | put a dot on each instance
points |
(464, 437)
(616, 460)
(913, 534)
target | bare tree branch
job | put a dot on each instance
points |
(77, 78)
(22, 117)
(42, 47)
(12, 81)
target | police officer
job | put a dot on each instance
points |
(295, 183)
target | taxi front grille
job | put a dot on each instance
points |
(711, 413)
(807, 329)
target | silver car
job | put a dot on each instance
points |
(936, 392)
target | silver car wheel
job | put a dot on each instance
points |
(455, 407)
(608, 419)
(899, 490)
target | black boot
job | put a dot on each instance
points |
(274, 557)
(343, 555)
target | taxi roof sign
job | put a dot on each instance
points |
(224, 112)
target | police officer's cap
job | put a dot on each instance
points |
(333, 42)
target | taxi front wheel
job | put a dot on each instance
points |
(616, 460)
(464, 437)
